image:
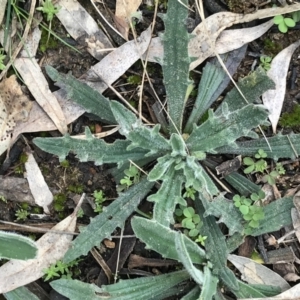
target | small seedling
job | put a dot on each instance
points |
(190, 220)
(134, 79)
(59, 202)
(255, 166)
(2, 198)
(2, 57)
(201, 240)
(60, 269)
(99, 199)
(265, 62)
(252, 213)
(65, 164)
(271, 177)
(50, 10)
(132, 177)
(80, 213)
(283, 23)
(21, 214)
(189, 193)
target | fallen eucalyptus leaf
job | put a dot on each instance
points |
(38, 187)
(51, 247)
(255, 273)
(273, 99)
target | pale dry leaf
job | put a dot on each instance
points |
(255, 273)
(51, 248)
(82, 27)
(38, 187)
(273, 99)
(38, 86)
(110, 69)
(124, 11)
(2, 9)
(296, 222)
(14, 106)
(291, 277)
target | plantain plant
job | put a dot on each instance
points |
(177, 154)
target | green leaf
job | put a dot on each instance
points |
(20, 293)
(90, 149)
(15, 246)
(289, 22)
(185, 259)
(162, 240)
(188, 212)
(282, 27)
(249, 169)
(113, 216)
(210, 283)
(91, 100)
(278, 19)
(176, 61)
(283, 146)
(277, 215)
(248, 161)
(211, 78)
(224, 129)
(216, 248)
(178, 145)
(244, 209)
(223, 209)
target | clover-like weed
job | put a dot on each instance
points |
(283, 23)
(132, 176)
(265, 62)
(250, 210)
(99, 199)
(259, 165)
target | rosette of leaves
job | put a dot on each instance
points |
(178, 155)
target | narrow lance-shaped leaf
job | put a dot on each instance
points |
(90, 149)
(162, 240)
(282, 146)
(15, 246)
(215, 246)
(167, 197)
(210, 283)
(222, 130)
(176, 61)
(91, 100)
(140, 135)
(113, 216)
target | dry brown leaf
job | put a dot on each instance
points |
(273, 99)
(51, 247)
(14, 106)
(123, 14)
(109, 69)
(38, 187)
(2, 9)
(38, 86)
(80, 24)
(255, 273)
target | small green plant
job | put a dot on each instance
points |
(99, 199)
(291, 119)
(2, 57)
(201, 240)
(65, 164)
(134, 79)
(77, 188)
(284, 23)
(60, 269)
(265, 62)
(252, 213)
(2, 198)
(259, 165)
(189, 220)
(132, 176)
(22, 214)
(296, 16)
(80, 213)
(59, 202)
(190, 192)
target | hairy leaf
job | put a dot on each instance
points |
(210, 283)
(20, 294)
(162, 240)
(113, 216)
(224, 209)
(226, 128)
(282, 146)
(216, 247)
(90, 149)
(16, 246)
(185, 259)
(277, 215)
(167, 197)
(176, 61)
(252, 87)
(91, 100)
